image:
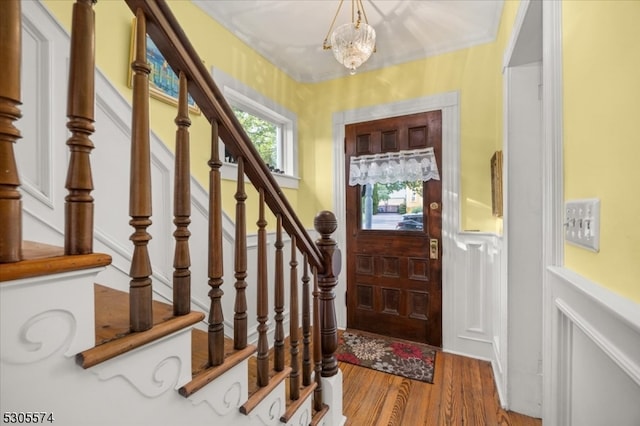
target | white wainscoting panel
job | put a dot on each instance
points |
(596, 362)
(475, 277)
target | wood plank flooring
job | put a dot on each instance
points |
(463, 393)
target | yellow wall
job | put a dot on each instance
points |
(474, 72)
(601, 115)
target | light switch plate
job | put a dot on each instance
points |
(582, 223)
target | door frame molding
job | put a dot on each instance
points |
(449, 103)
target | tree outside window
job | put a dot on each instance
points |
(265, 136)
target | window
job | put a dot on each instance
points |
(266, 137)
(271, 127)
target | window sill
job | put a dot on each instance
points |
(229, 171)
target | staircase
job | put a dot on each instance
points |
(147, 330)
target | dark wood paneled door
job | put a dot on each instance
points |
(394, 266)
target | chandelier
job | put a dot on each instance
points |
(354, 42)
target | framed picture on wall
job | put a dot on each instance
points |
(163, 82)
(496, 183)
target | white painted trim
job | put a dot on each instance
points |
(239, 93)
(608, 321)
(553, 384)
(515, 32)
(553, 164)
(605, 344)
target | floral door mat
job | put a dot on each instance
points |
(399, 357)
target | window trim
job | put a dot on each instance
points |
(243, 97)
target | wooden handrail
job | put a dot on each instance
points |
(168, 36)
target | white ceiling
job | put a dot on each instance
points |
(289, 33)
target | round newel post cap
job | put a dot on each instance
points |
(325, 223)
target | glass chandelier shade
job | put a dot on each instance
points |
(353, 44)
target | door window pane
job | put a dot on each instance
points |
(392, 206)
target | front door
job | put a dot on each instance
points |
(394, 278)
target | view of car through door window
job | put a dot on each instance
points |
(392, 206)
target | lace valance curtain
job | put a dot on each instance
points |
(391, 167)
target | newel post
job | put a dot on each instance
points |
(325, 223)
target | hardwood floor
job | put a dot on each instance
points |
(463, 393)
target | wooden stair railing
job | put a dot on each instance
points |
(170, 39)
(321, 257)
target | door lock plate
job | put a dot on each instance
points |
(433, 248)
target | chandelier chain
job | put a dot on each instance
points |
(326, 45)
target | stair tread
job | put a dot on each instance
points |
(44, 259)
(201, 372)
(257, 394)
(200, 351)
(319, 415)
(112, 313)
(113, 332)
(293, 405)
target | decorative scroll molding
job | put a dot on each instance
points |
(153, 369)
(151, 381)
(272, 414)
(40, 337)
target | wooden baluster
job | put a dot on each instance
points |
(78, 234)
(325, 223)
(182, 206)
(263, 297)
(10, 197)
(140, 293)
(317, 344)
(306, 325)
(294, 377)
(278, 339)
(240, 310)
(216, 317)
